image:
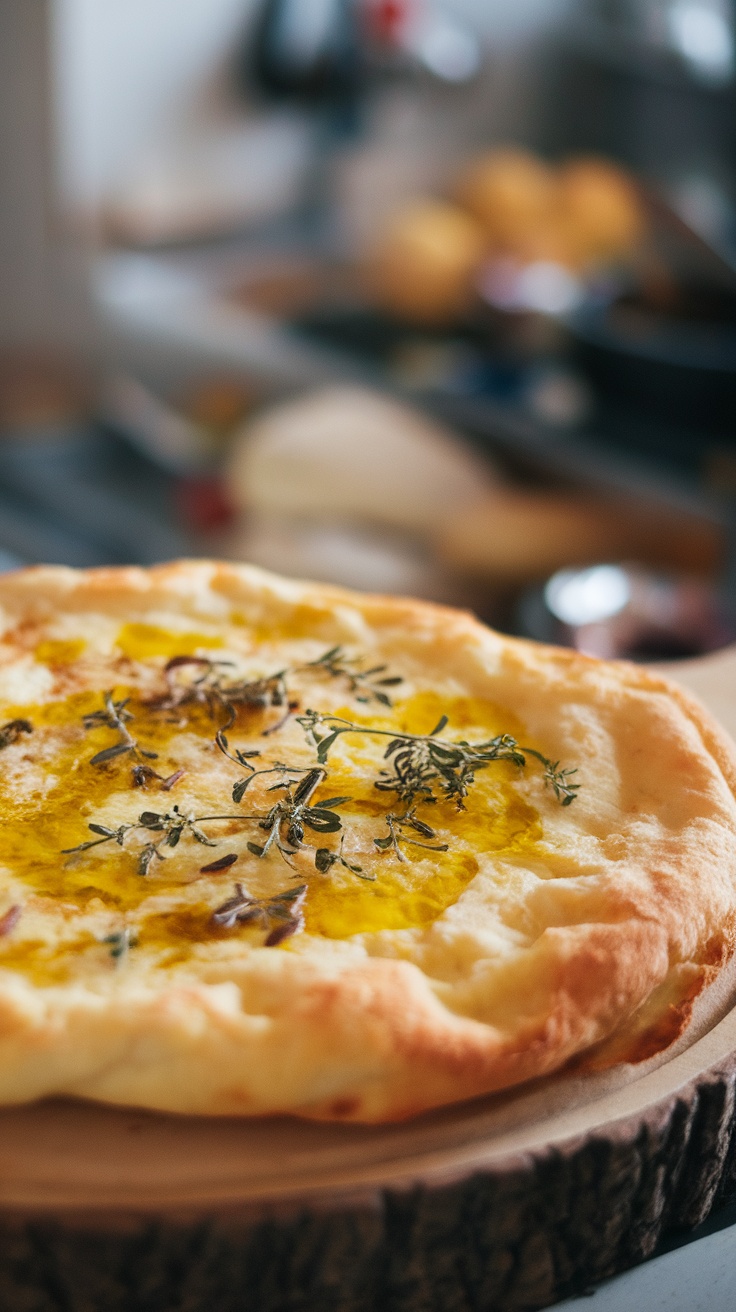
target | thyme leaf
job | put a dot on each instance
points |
(115, 715)
(280, 915)
(364, 683)
(396, 824)
(425, 767)
(11, 732)
(222, 863)
(120, 942)
(222, 696)
(325, 859)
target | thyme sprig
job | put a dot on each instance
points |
(281, 914)
(365, 684)
(108, 835)
(285, 822)
(242, 758)
(397, 824)
(222, 696)
(172, 825)
(291, 811)
(559, 780)
(325, 858)
(11, 732)
(423, 765)
(287, 819)
(115, 716)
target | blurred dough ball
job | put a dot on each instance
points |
(422, 267)
(351, 555)
(508, 190)
(600, 206)
(553, 240)
(217, 403)
(345, 453)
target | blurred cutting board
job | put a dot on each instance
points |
(713, 680)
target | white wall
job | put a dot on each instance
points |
(129, 72)
(24, 217)
(509, 20)
(86, 87)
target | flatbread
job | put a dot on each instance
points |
(462, 918)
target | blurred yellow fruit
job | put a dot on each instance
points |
(508, 190)
(422, 266)
(600, 204)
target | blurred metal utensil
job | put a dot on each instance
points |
(692, 254)
(83, 498)
(620, 611)
(304, 49)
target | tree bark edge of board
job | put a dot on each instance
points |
(520, 1236)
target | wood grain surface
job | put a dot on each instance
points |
(509, 1202)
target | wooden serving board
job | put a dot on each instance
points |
(509, 1202)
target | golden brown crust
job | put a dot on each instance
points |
(572, 927)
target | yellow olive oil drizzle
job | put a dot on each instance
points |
(59, 652)
(142, 642)
(411, 894)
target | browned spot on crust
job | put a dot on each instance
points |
(718, 949)
(24, 635)
(342, 1107)
(667, 1029)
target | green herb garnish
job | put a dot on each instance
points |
(423, 765)
(280, 914)
(120, 942)
(115, 716)
(397, 824)
(365, 684)
(173, 825)
(288, 817)
(11, 732)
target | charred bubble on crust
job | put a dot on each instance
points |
(342, 1108)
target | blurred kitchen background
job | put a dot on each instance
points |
(419, 296)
